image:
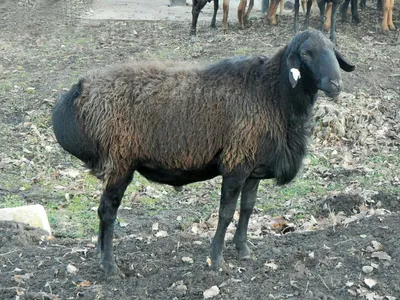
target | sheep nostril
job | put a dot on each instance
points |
(336, 82)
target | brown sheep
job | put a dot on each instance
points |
(244, 118)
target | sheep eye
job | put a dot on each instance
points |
(305, 54)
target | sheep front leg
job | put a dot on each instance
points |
(107, 211)
(247, 202)
(230, 191)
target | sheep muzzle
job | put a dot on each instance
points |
(331, 87)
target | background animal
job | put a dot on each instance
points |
(197, 6)
(244, 118)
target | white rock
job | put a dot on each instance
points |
(211, 292)
(367, 269)
(33, 215)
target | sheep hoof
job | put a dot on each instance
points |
(111, 271)
(244, 253)
(356, 20)
(392, 28)
(345, 18)
(178, 188)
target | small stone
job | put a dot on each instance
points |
(211, 292)
(367, 269)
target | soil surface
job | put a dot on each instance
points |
(335, 236)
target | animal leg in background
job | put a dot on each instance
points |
(247, 202)
(387, 20)
(225, 9)
(307, 20)
(328, 14)
(231, 188)
(264, 6)
(332, 36)
(354, 11)
(107, 211)
(197, 6)
(328, 17)
(213, 20)
(271, 16)
(296, 16)
(247, 14)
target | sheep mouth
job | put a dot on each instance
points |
(331, 87)
(331, 94)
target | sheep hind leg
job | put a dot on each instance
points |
(231, 188)
(107, 211)
(247, 202)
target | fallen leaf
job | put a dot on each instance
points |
(375, 266)
(377, 246)
(161, 233)
(211, 292)
(70, 173)
(187, 259)
(370, 282)
(208, 261)
(21, 277)
(381, 255)
(84, 283)
(71, 269)
(271, 265)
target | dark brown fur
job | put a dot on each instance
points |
(141, 112)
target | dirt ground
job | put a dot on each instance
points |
(332, 234)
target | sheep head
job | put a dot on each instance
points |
(312, 58)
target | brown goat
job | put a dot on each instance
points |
(243, 15)
(244, 118)
(387, 17)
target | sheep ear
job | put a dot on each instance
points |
(343, 63)
(293, 64)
